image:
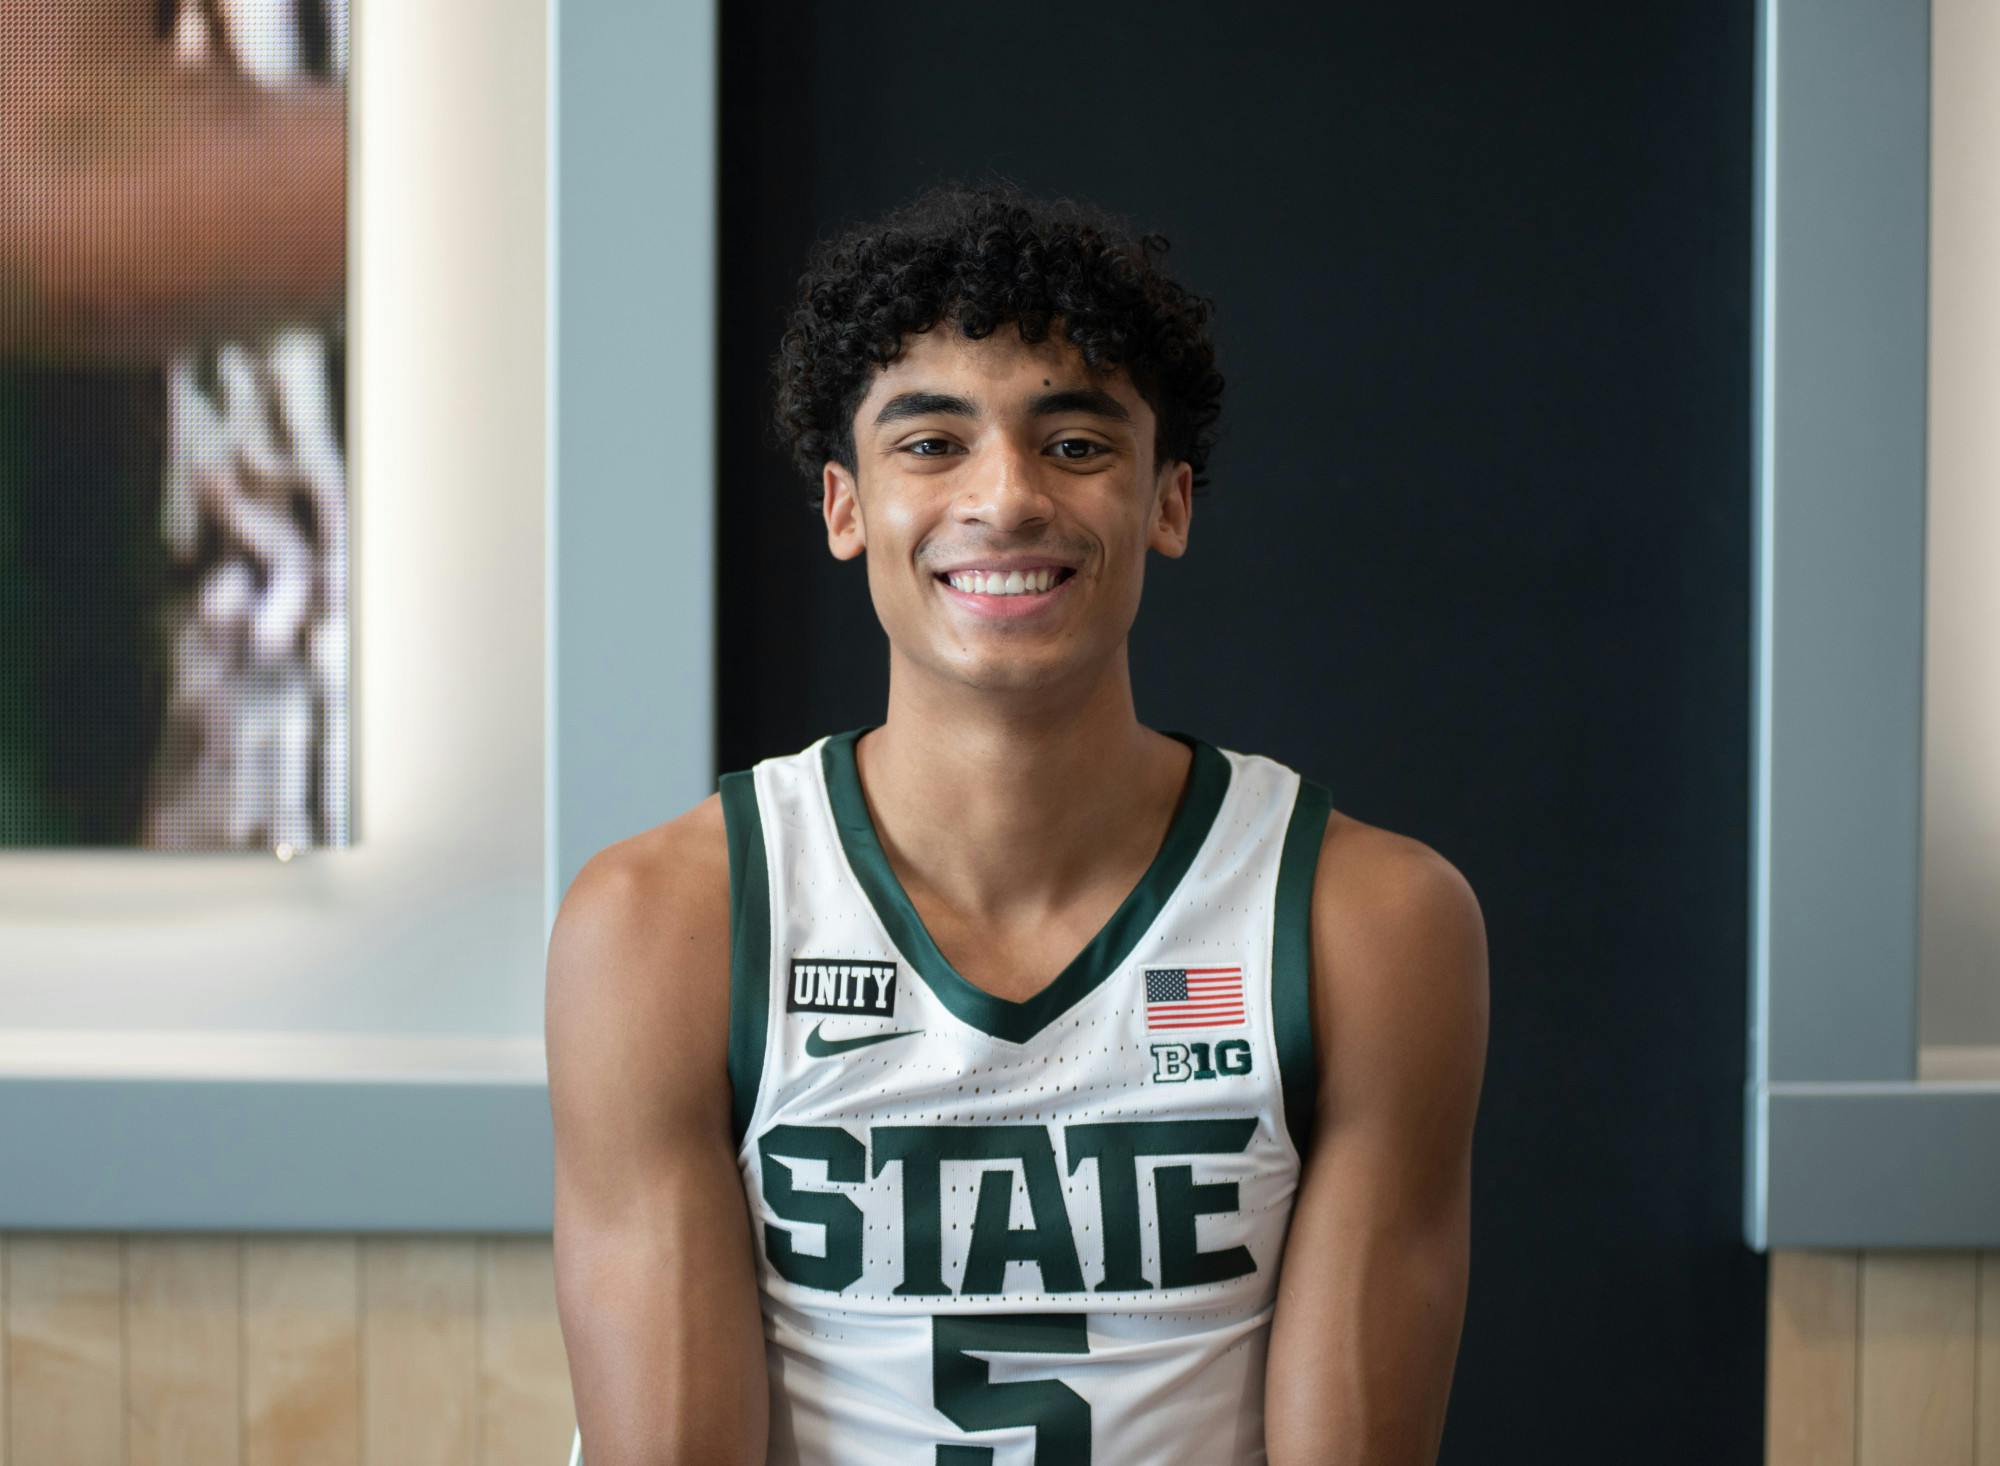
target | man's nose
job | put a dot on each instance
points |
(1008, 490)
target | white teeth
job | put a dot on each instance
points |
(1013, 583)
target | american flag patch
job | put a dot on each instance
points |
(1193, 997)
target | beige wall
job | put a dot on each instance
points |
(153, 1350)
(1884, 1359)
(1960, 941)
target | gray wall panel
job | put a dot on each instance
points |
(1843, 499)
(228, 1155)
(1877, 1166)
(633, 439)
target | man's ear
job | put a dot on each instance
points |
(840, 504)
(1172, 510)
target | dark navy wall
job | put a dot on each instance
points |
(1476, 555)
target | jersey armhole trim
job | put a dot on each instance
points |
(1291, 959)
(749, 947)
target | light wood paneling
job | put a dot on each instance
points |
(420, 1350)
(157, 1350)
(1986, 1429)
(1884, 1359)
(183, 1367)
(1812, 1356)
(339, 1351)
(65, 1349)
(4, 1330)
(301, 1352)
(1918, 1327)
(292, 1350)
(525, 1415)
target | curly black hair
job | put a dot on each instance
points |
(980, 257)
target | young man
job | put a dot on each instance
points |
(1009, 1081)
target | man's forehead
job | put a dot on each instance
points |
(996, 371)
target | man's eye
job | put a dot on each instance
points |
(942, 444)
(1089, 443)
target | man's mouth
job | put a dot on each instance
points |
(1007, 583)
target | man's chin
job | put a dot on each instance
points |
(1011, 680)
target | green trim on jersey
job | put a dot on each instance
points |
(1291, 958)
(1208, 782)
(749, 946)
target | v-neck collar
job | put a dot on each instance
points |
(1208, 782)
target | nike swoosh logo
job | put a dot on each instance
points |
(821, 1048)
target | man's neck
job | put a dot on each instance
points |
(1004, 814)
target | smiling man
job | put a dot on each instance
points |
(1009, 1081)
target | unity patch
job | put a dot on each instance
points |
(842, 985)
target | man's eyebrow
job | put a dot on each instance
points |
(1079, 399)
(923, 404)
(1090, 400)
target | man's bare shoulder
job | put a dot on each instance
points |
(674, 874)
(1362, 864)
(640, 946)
(1399, 941)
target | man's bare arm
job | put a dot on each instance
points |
(655, 1272)
(1372, 1287)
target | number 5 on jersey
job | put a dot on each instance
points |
(963, 1389)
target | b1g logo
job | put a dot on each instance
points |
(1175, 1063)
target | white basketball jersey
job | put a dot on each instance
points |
(993, 1233)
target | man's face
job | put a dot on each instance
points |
(998, 455)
